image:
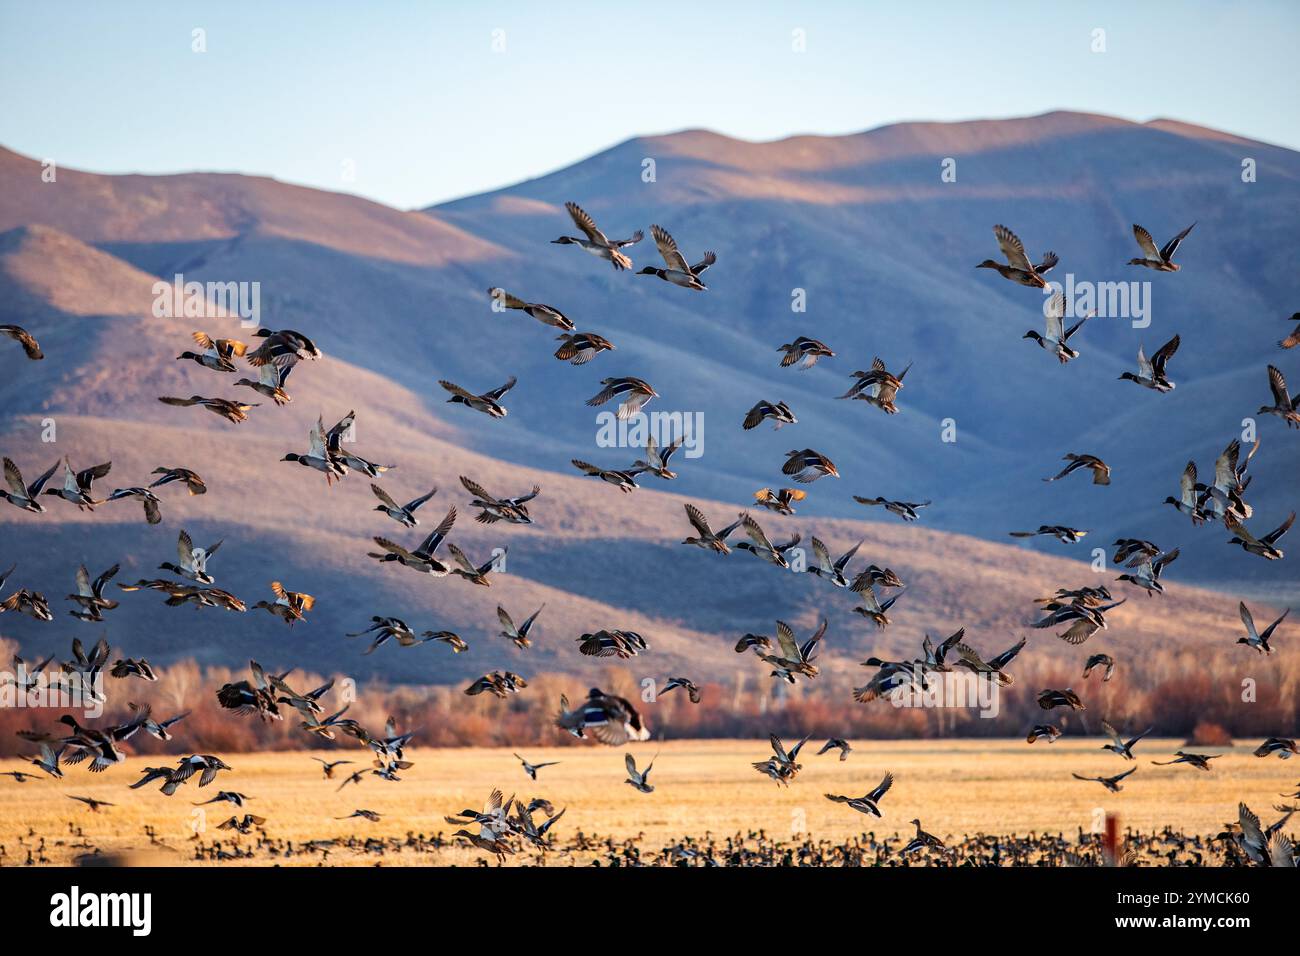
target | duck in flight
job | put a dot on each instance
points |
(1266, 547)
(805, 350)
(77, 485)
(489, 403)
(828, 570)
(1118, 744)
(1199, 761)
(270, 382)
(1110, 783)
(216, 354)
(806, 466)
(705, 537)
(90, 595)
(532, 768)
(1146, 570)
(1285, 406)
(546, 314)
(794, 658)
(422, 559)
(638, 780)
(1060, 532)
(678, 271)
(1162, 259)
(25, 339)
(402, 514)
(580, 348)
(622, 479)
(634, 395)
(869, 803)
(193, 561)
(1151, 374)
(764, 410)
(1056, 336)
(228, 408)
(147, 498)
(195, 484)
(509, 510)
(760, 546)
(519, 635)
(1258, 639)
(656, 461)
(907, 510)
(781, 501)
(1018, 268)
(595, 241)
(1100, 470)
(1104, 661)
(22, 495)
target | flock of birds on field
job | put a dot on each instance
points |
(505, 825)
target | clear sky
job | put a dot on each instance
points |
(427, 101)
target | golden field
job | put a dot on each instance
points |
(954, 787)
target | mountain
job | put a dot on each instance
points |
(863, 224)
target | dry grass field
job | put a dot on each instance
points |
(958, 787)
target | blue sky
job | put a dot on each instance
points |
(414, 97)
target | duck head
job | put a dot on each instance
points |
(987, 264)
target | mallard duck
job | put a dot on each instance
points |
(216, 354)
(161, 729)
(152, 514)
(707, 538)
(1058, 531)
(872, 608)
(1057, 336)
(422, 559)
(1110, 783)
(193, 561)
(402, 514)
(868, 803)
(91, 802)
(636, 393)
(1223, 499)
(546, 314)
(656, 461)
(49, 760)
(1186, 502)
(1050, 731)
(827, 570)
(624, 480)
(612, 643)
(1282, 746)
(806, 466)
(763, 410)
(781, 501)
(783, 765)
(343, 459)
(692, 689)
(995, 667)
(1159, 259)
(836, 743)
(1104, 661)
(1151, 374)
(77, 485)
(133, 667)
(921, 841)
(1018, 267)
(761, 547)
(879, 387)
(532, 768)
(1118, 745)
(936, 658)
(510, 510)
(876, 576)
(595, 241)
(206, 765)
(193, 482)
(1258, 639)
(25, 496)
(907, 510)
(1100, 470)
(612, 720)
(805, 350)
(289, 606)
(795, 658)
(475, 574)
(270, 382)
(245, 824)
(284, 348)
(90, 595)
(25, 339)
(489, 403)
(229, 409)
(498, 684)
(1147, 571)
(638, 781)
(678, 271)
(753, 640)
(519, 635)
(1126, 548)
(318, 456)
(1049, 699)
(1266, 547)
(891, 677)
(1285, 406)
(1199, 761)
(1292, 340)
(580, 348)
(385, 629)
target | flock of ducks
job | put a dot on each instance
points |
(505, 826)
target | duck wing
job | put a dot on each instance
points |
(1146, 243)
(668, 249)
(1172, 245)
(497, 392)
(1166, 352)
(1012, 248)
(588, 225)
(1277, 384)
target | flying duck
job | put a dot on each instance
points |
(782, 766)
(1159, 259)
(872, 607)
(1118, 745)
(907, 510)
(1126, 548)
(935, 658)
(422, 558)
(1151, 374)
(498, 684)
(193, 482)
(289, 606)
(624, 480)
(216, 354)
(546, 314)
(1100, 470)
(638, 780)
(519, 635)
(782, 501)
(921, 841)
(1050, 731)
(25, 601)
(795, 658)
(869, 803)
(25, 339)
(1018, 267)
(1292, 340)
(612, 720)
(1104, 661)
(688, 685)
(90, 595)
(1265, 547)
(22, 495)
(760, 546)
(1281, 746)
(510, 510)
(229, 409)
(270, 382)
(995, 667)
(1110, 783)
(581, 347)
(1057, 336)
(879, 387)
(805, 350)
(76, 485)
(678, 271)
(1049, 699)
(1147, 573)
(655, 461)
(489, 403)
(612, 643)
(1285, 406)
(318, 456)
(1258, 640)
(283, 348)
(806, 466)
(1186, 502)
(1223, 499)
(779, 413)
(595, 241)
(1199, 761)
(193, 561)
(836, 743)
(827, 570)
(92, 803)
(402, 514)
(890, 677)
(1057, 531)
(635, 394)
(532, 768)
(707, 538)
